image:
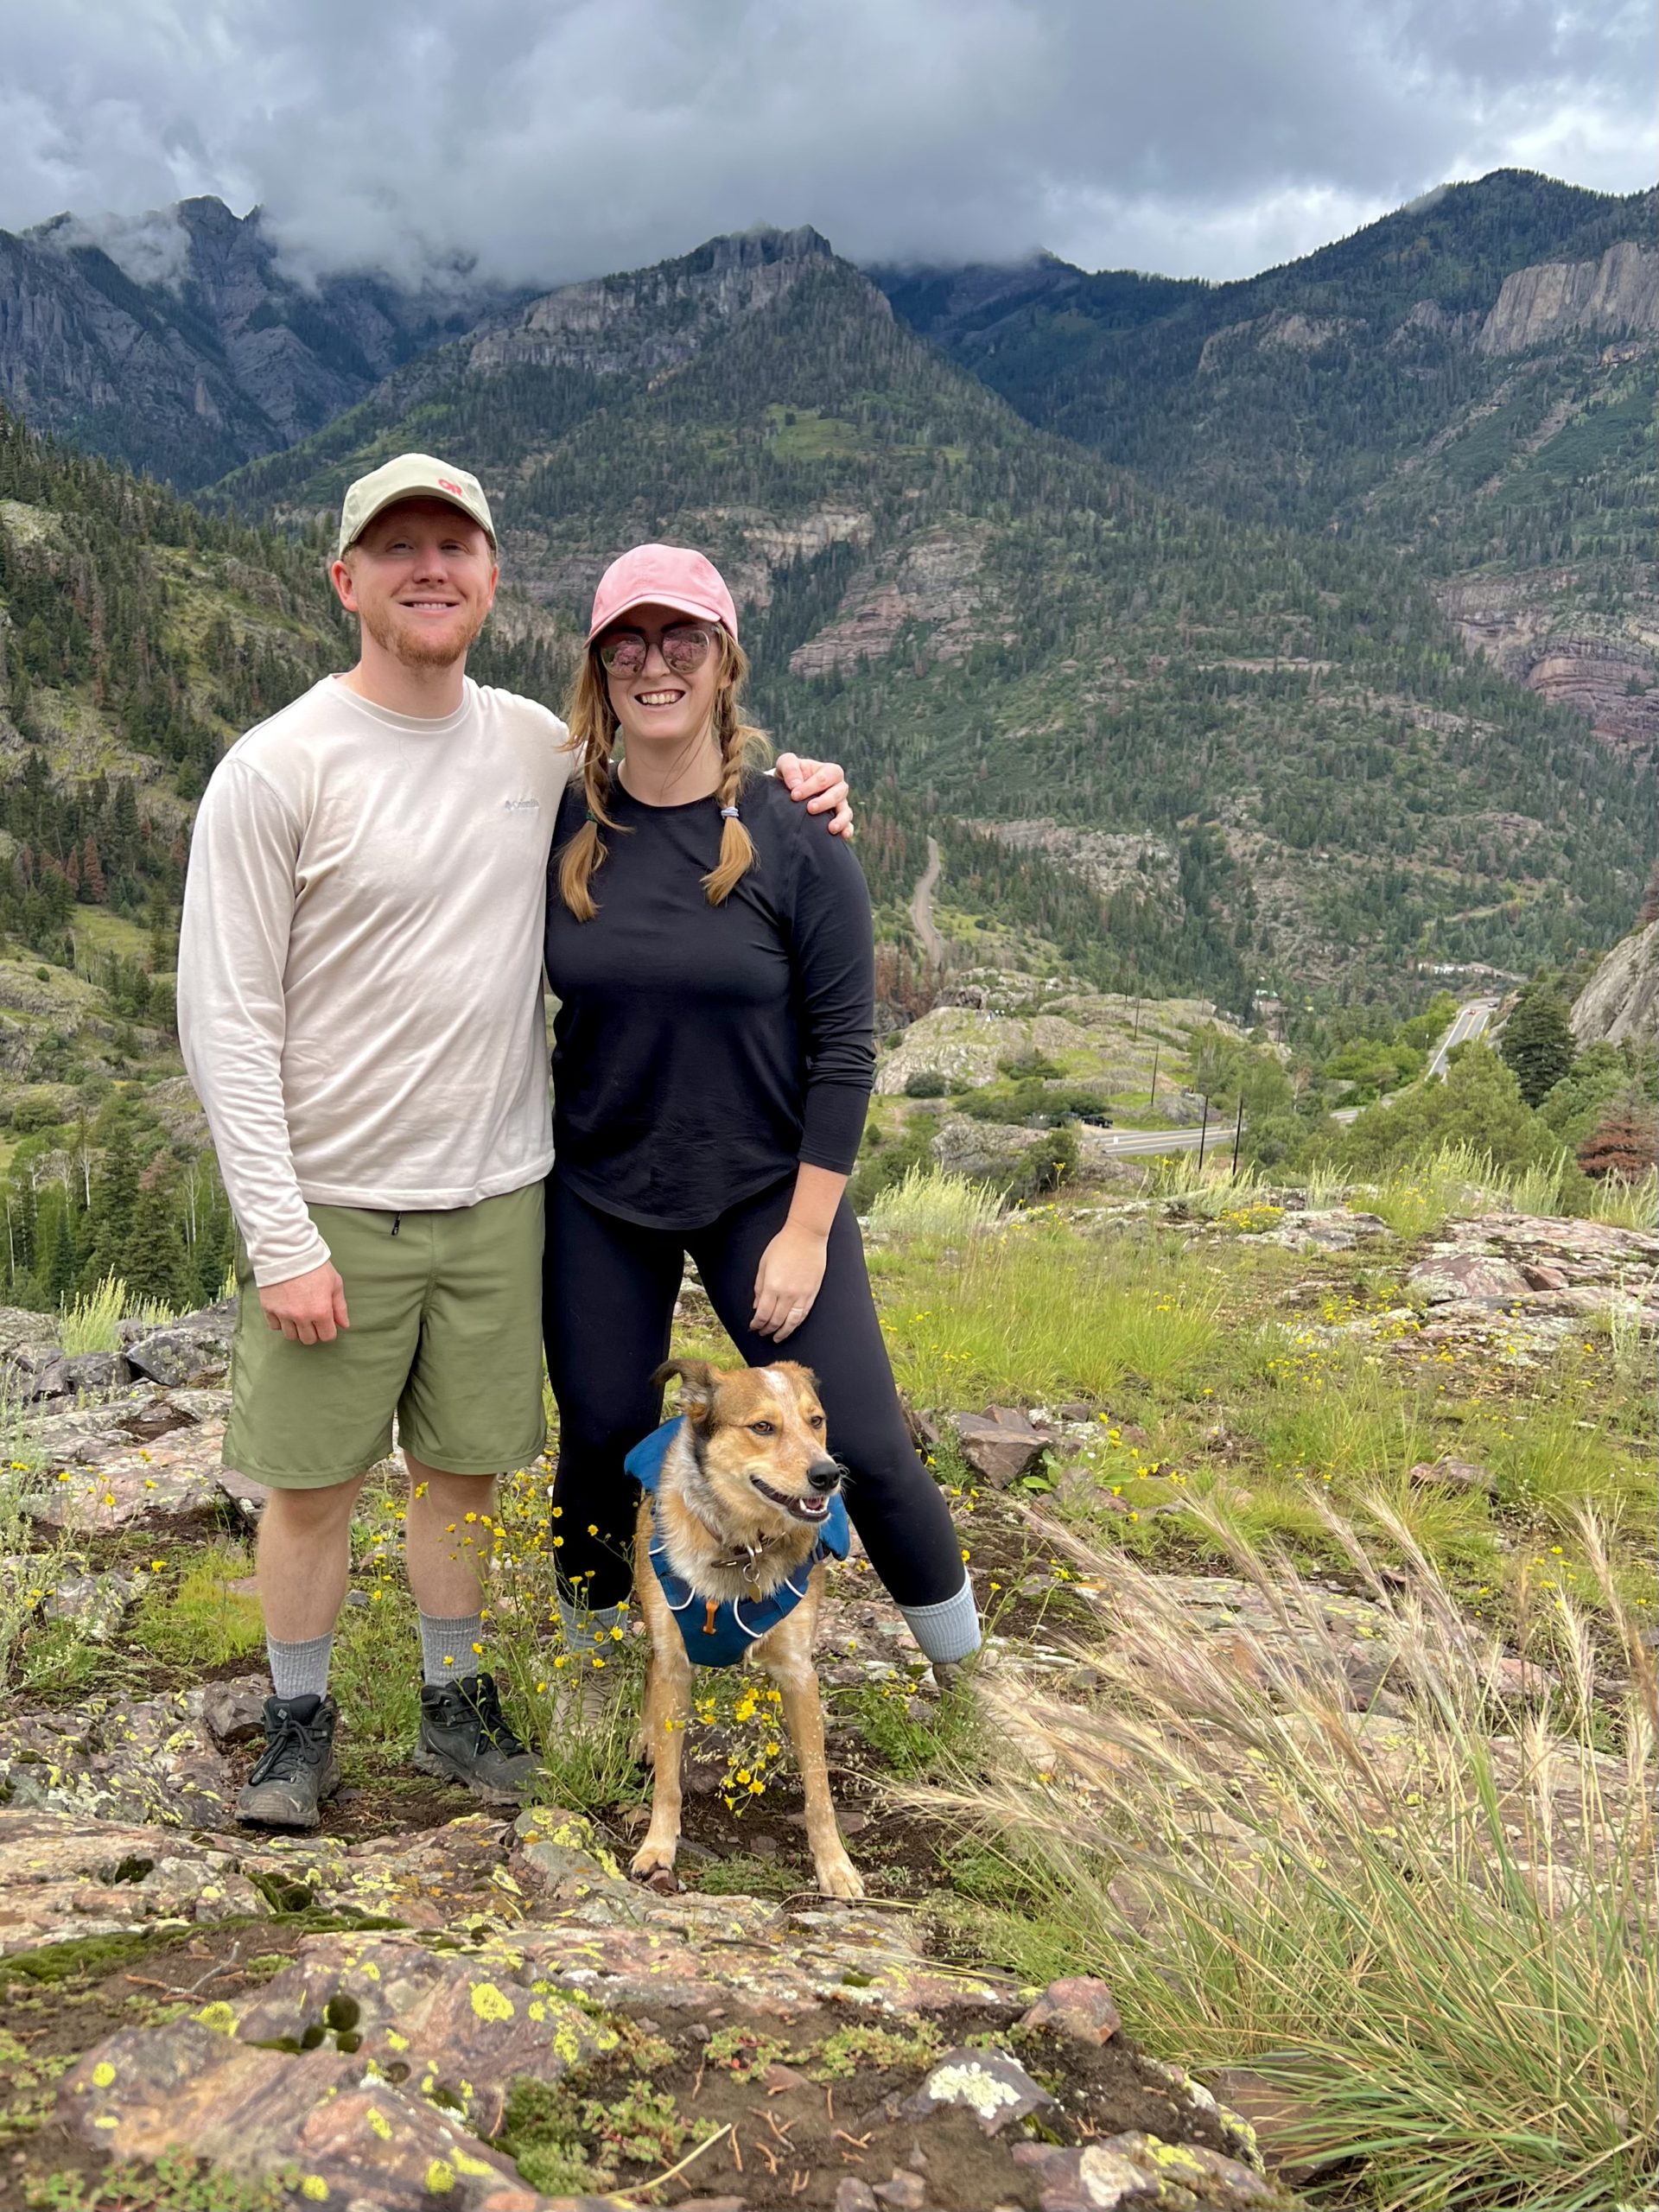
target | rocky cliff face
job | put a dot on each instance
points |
(1558, 298)
(1603, 667)
(1621, 1000)
(182, 347)
(653, 319)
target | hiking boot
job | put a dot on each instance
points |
(297, 1770)
(465, 1737)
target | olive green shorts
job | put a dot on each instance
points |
(446, 1334)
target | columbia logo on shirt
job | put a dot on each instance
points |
(522, 805)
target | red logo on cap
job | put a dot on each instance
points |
(444, 484)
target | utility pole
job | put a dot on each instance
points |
(1238, 1131)
(1204, 1129)
(1153, 1099)
(1135, 1038)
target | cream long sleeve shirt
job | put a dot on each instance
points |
(361, 960)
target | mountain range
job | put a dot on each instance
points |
(1471, 382)
(1166, 585)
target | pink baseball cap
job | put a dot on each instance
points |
(662, 575)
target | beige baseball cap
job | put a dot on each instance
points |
(411, 476)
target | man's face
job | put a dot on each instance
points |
(421, 579)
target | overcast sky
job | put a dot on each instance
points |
(558, 139)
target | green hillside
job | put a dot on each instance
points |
(1389, 388)
(982, 620)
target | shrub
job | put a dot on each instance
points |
(884, 1163)
(925, 1083)
(1032, 1066)
(1040, 1168)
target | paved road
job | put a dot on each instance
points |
(1129, 1141)
(1472, 1018)
(921, 907)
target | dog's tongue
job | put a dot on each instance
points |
(813, 1509)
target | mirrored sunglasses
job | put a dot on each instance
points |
(684, 648)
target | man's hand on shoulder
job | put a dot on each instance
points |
(822, 785)
(309, 1309)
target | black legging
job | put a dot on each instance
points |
(608, 1310)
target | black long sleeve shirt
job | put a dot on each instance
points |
(701, 1052)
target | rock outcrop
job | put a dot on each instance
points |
(1605, 667)
(1558, 298)
(1621, 1000)
(653, 319)
(179, 342)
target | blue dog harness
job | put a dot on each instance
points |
(718, 1634)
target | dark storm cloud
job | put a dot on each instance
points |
(552, 140)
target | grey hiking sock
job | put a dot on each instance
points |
(448, 1653)
(299, 1669)
(584, 1624)
(948, 1630)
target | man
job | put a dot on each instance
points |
(361, 1009)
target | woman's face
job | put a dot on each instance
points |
(666, 700)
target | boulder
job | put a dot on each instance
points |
(989, 2084)
(1477, 1276)
(1001, 1444)
(92, 1374)
(234, 1712)
(194, 1350)
(963, 1146)
(556, 1856)
(19, 1326)
(97, 1603)
(38, 1372)
(1078, 2005)
(246, 1495)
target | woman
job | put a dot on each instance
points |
(711, 949)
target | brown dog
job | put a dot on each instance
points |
(732, 1524)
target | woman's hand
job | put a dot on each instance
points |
(792, 1269)
(823, 785)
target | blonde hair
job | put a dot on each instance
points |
(594, 725)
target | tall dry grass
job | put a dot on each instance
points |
(927, 1202)
(1438, 1933)
(87, 1322)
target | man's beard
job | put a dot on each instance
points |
(416, 650)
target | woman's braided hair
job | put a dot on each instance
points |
(594, 725)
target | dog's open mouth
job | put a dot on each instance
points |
(801, 1508)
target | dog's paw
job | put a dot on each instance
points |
(839, 1878)
(653, 1863)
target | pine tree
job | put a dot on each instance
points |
(115, 1200)
(1538, 1042)
(1625, 1145)
(153, 1260)
(1648, 911)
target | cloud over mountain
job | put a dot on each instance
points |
(576, 135)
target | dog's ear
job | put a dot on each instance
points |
(698, 1381)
